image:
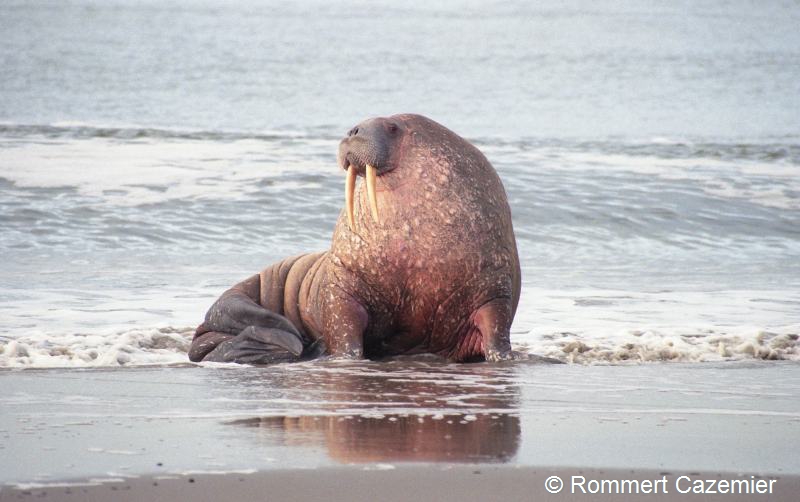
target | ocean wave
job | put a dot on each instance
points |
(139, 166)
(615, 326)
(767, 149)
(134, 347)
(83, 130)
(653, 346)
(105, 172)
(777, 149)
(168, 346)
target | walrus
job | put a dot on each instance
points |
(423, 260)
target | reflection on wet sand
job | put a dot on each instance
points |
(396, 412)
(452, 438)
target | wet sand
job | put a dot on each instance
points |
(373, 431)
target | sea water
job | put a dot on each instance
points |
(154, 153)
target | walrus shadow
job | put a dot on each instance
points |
(407, 412)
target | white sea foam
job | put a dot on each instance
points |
(140, 346)
(586, 326)
(68, 484)
(600, 326)
(148, 171)
(213, 472)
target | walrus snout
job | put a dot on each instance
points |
(369, 143)
(366, 151)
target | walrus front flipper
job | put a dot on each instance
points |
(257, 345)
(493, 321)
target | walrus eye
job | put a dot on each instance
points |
(392, 128)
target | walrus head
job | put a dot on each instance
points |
(369, 150)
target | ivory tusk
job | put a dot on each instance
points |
(349, 191)
(372, 175)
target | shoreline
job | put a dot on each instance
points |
(169, 421)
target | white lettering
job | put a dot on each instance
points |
(678, 484)
(683, 484)
(737, 484)
(709, 488)
(609, 486)
(580, 485)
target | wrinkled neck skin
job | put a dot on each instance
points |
(443, 245)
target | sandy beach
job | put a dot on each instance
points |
(416, 482)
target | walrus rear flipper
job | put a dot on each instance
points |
(238, 329)
(256, 345)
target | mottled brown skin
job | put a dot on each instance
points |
(438, 273)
